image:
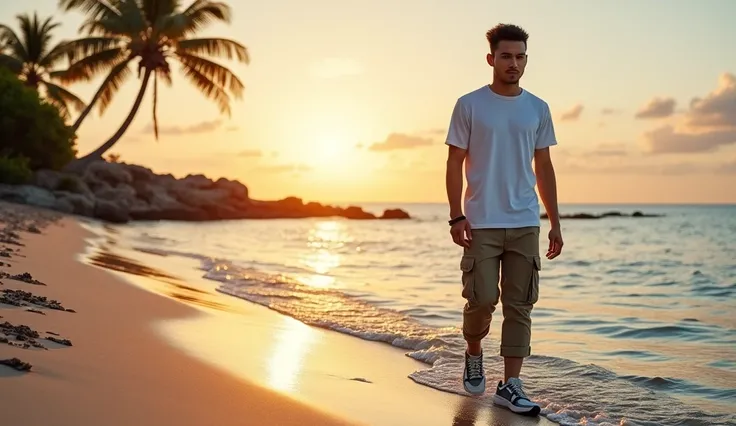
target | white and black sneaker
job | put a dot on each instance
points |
(474, 376)
(511, 395)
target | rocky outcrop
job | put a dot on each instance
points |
(602, 215)
(119, 192)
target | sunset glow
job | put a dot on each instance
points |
(337, 110)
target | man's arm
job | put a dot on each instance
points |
(454, 180)
(547, 183)
(458, 141)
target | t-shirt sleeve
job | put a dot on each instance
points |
(546, 132)
(459, 132)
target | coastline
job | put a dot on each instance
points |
(200, 350)
(117, 371)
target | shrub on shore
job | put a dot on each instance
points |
(32, 131)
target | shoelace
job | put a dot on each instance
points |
(516, 387)
(475, 368)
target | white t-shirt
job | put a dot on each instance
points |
(501, 134)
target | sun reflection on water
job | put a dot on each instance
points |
(324, 242)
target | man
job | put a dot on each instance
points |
(498, 131)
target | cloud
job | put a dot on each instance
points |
(669, 140)
(396, 141)
(718, 108)
(727, 168)
(335, 68)
(572, 114)
(201, 127)
(617, 160)
(657, 108)
(707, 125)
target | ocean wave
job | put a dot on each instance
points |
(569, 392)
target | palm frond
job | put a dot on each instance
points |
(44, 34)
(12, 63)
(10, 40)
(217, 47)
(112, 84)
(197, 16)
(92, 8)
(165, 76)
(128, 22)
(87, 68)
(84, 47)
(62, 97)
(36, 36)
(59, 53)
(215, 72)
(154, 11)
(209, 88)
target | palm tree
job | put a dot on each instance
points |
(30, 56)
(151, 32)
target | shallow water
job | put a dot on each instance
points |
(636, 322)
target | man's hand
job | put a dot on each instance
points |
(555, 243)
(461, 233)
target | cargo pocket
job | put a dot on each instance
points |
(467, 265)
(533, 295)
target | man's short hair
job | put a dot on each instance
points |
(505, 32)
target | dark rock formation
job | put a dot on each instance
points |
(24, 277)
(602, 215)
(26, 298)
(65, 342)
(16, 364)
(119, 192)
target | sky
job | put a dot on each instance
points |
(349, 101)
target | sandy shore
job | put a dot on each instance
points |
(117, 371)
(171, 350)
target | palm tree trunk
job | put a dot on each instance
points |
(81, 163)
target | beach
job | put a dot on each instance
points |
(633, 326)
(143, 347)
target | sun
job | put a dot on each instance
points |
(331, 149)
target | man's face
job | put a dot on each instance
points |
(508, 61)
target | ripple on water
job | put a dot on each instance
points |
(664, 332)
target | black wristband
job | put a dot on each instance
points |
(456, 220)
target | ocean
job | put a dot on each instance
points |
(635, 325)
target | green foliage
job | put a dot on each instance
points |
(14, 171)
(29, 54)
(31, 127)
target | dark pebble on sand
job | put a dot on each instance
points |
(16, 364)
(26, 278)
(17, 297)
(65, 342)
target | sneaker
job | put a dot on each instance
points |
(511, 395)
(474, 376)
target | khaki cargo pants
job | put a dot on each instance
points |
(512, 254)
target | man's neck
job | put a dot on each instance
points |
(505, 89)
